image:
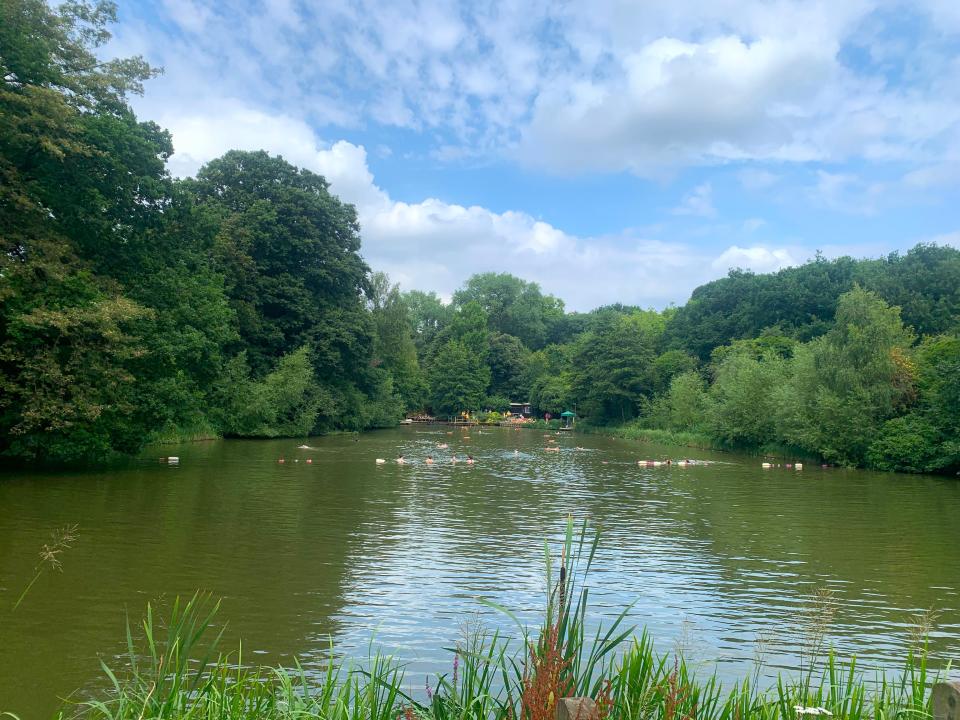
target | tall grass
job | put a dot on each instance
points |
(173, 670)
(635, 431)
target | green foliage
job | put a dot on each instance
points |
(285, 403)
(743, 398)
(669, 365)
(393, 346)
(513, 307)
(610, 373)
(508, 363)
(683, 407)
(846, 384)
(66, 391)
(428, 315)
(289, 251)
(907, 443)
(927, 439)
(458, 379)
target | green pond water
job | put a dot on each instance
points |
(715, 556)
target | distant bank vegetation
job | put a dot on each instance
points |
(135, 307)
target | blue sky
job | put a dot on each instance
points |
(611, 151)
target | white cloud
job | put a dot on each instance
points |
(437, 245)
(699, 202)
(646, 87)
(758, 259)
(847, 193)
(753, 224)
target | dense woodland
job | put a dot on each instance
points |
(138, 308)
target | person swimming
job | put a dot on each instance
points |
(400, 460)
(469, 459)
(429, 459)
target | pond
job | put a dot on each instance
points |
(720, 557)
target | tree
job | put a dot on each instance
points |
(683, 407)
(81, 181)
(458, 380)
(513, 306)
(289, 251)
(846, 384)
(742, 398)
(610, 373)
(508, 360)
(428, 315)
(393, 347)
(928, 438)
(66, 393)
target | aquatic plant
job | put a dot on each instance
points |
(61, 539)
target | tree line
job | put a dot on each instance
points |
(135, 307)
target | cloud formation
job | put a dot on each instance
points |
(607, 86)
(745, 124)
(436, 245)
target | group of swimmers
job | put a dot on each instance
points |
(658, 463)
(401, 460)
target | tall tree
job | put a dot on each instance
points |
(80, 182)
(513, 306)
(458, 379)
(846, 384)
(393, 347)
(611, 366)
(290, 253)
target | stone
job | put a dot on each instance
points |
(945, 701)
(578, 708)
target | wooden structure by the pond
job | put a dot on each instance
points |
(430, 420)
(568, 419)
(523, 409)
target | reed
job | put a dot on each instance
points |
(174, 670)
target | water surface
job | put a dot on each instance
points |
(715, 556)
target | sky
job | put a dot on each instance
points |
(609, 151)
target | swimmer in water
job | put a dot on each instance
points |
(469, 459)
(400, 460)
(429, 459)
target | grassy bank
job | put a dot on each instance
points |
(633, 431)
(173, 670)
